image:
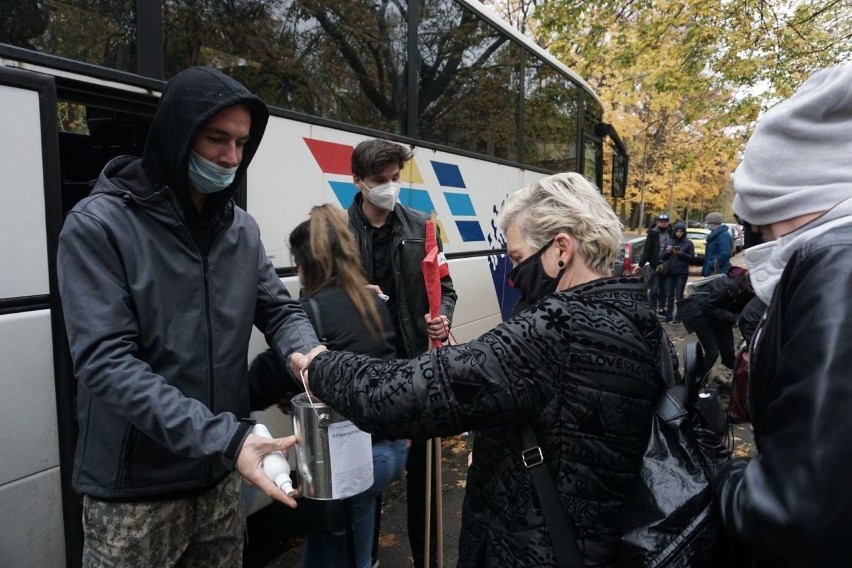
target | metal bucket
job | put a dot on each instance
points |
(334, 459)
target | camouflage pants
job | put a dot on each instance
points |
(200, 531)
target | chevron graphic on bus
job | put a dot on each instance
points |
(334, 159)
(458, 200)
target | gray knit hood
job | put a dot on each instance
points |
(799, 158)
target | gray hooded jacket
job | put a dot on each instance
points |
(159, 302)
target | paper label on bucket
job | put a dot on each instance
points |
(351, 459)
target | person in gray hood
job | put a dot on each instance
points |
(790, 505)
(162, 278)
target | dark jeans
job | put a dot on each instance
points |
(675, 285)
(656, 292)
(416, 487)
(716, 340)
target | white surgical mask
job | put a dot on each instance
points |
(209, 177)
(383, 196)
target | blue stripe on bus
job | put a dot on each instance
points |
(470, 231)
(449, 175)
(460, 204)
(345, 192)
(417, 199)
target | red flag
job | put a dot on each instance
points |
(435, 267)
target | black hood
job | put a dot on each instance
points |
(190, 99)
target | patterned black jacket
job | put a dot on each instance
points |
(573, 367)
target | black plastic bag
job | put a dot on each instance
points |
(670, 520)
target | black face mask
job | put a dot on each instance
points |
(751, 237)
(530, 279)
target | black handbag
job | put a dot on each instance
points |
(670, 520)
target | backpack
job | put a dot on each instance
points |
(669, 518)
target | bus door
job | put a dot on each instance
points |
(32, 500)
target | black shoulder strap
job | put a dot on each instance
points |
(561, 532)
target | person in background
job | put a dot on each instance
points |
(680, 253)
(559, 366)
(790, 505)
(657, 237)
(162, 279)
(348, 317)
(720, 246)
(391, 240)
(712, 313)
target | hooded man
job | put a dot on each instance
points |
(162, 278)
(791, 505)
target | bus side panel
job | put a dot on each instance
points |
(28, 431)
(477, 310)
(23, 258)
(31, 532)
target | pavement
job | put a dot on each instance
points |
(283, 549)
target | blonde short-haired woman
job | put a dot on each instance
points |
(580, 366)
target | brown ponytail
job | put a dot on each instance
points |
(327, 254)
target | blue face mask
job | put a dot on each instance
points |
(209, 177)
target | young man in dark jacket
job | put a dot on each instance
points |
(657, 237)
(392, 240)
(790, 505)
(162, 278)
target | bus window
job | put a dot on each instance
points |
(333, 59)
(89, 137)
(550, 118)
(469, 83)
(593, 161)
(68, 29)
(619, 174)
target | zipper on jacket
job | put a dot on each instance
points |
(206, 265)
(752, 346)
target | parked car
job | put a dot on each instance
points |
(699, 241)
(737, 236)
(627, 263)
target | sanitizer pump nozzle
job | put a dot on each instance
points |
(275, 465)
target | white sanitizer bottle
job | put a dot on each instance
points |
(275, 465)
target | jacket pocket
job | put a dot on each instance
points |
(412, 252)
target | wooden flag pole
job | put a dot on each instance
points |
(426, 547)
(433, 450)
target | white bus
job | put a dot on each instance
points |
(486, 111)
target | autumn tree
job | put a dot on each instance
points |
(684, 82)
